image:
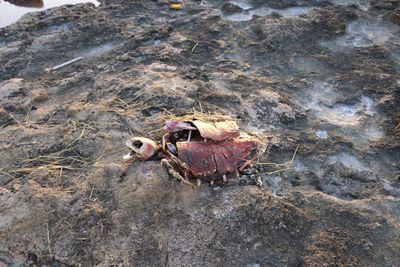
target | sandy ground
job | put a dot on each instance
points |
(319, 75)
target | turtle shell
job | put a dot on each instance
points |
(207, 159)
(217, 131)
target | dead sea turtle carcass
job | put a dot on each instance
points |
(200, 150)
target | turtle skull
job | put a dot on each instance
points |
(144, 148)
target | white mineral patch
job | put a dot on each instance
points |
(362, 33)
(389, 188)
(288, 12)
(374, 133)
(298, 166)
(266, 11)
(321, 99)
(97, 50)
(242, 4)
(273, 183)
(349, 161)
(343, 115)
(358, 120)
(245, 16)
(362, 4)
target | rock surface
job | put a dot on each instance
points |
(322, 76)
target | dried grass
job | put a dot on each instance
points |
(128, 108)
(199, 115)
(279, 167)
(66, 159)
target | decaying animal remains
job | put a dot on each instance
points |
(200, 150)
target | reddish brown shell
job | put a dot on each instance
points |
(217, 158)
